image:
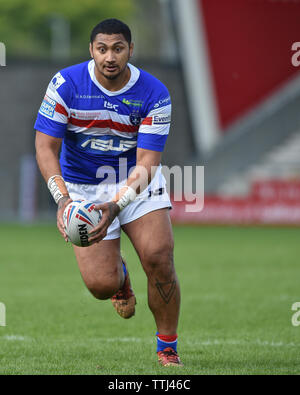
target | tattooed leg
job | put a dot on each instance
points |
(164, 302)
(152, 238)
(166, 290)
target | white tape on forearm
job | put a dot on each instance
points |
(128, 197)
(57, 187)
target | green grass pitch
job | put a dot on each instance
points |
(238, 286)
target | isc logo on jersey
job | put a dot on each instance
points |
(111, 106)
(80, 217)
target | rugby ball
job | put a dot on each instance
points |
(79, 218)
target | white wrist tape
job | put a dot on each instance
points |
(128, 197)
(57, 187)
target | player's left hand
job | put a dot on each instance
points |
(109, 212)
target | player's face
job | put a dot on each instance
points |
(111, 53)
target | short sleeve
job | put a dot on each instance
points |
(54, 112)
(155, 127)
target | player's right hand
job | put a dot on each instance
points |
(109, 211)
(62, 204)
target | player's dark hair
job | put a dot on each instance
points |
(111, 26)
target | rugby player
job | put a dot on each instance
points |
(111, 120)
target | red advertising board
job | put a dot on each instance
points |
(247, 211)
(273, 202)
(277, 190)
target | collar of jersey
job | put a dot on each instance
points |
(135, 74)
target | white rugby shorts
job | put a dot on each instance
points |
(154, 197)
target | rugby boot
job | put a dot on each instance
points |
(124, 300)
(169, 357)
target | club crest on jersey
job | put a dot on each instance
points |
(135, 118)
(57, 81)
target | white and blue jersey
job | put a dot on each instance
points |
(100, 127)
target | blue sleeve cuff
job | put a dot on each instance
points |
(52, 128)
(153, 142)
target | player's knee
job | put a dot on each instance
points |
(159, 261)
(103, 293)
(103, 289)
